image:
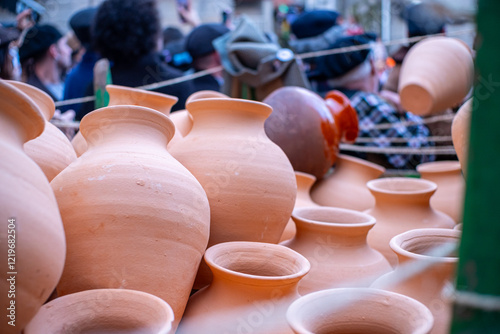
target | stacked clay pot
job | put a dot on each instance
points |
(334, 242)
(460, 129)
(346, 186)
(32, 237)
(52, 150)
(402, 204)
(134, 217)
(248, 180)
(253, 285)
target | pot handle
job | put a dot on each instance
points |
(344, 114)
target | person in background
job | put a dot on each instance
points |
(199, 45)
(81, 76)
(9, 61)
(128, 34)
(355, 75)
(45, 57)
(174, 49)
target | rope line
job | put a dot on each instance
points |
(403, 140)
(444, 150)
(299, 56)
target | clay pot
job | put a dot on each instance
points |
(436, 74)
(304, 184)
(460, 129)
(32, 236)
(427, 263)
(122, 95)
(305, 127)
(345, 116)
(334, 242)
(346, 186)
(104, 311)
(449, 196)
(402, 204)
(134, 217)
(358, 310)
(52, 150)
(205, 94)
(253, 285)
(248, 179)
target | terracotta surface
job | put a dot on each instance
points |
(134, 217)
(334, 242)
(402, 204)
(304, 184)
(358, 310)
(460, 129)
(449, 196)
(248, 179)
(52, 150)
(79, 144)
(102, 311)
(437, 74)
(305, 127)
(434, 251)
(253, 285)
(346, 186)
(35, 242)
(346, 117)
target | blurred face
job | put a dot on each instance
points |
(63, 53)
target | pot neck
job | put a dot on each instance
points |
(332, 235)
(363, 171)
(127, 126)
(304, 184)
(41, 99)
(391, 200)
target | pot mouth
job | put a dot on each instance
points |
(250, 261)
(206, 94)
(104, 311)
(358, 310)
(42, 99)
(437, 244)
(401, 186)
(439, 167)
(238, 105)
(358, 161)
(330, 216)
(140, 97)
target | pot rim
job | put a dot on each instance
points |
(439, 167)
(298, 213)
(377, 186)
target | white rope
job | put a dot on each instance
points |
(435, 139)
(300, 56)
(444, 150)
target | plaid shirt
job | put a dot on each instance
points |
(373, 110)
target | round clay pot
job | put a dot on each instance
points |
(32, 237)
(346, 117)
(436, 74)
(253, 285)
(304, 184)
(52, 150)
(449, 196)
(79, 144)
(334, 242)
(104, 311)
(304, 126)
(426, 269)
(358, 310)
(248, 179)
(346, 186)
(402, 204)
(460, 129)
(134, 217)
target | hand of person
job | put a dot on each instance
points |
(24, 20)
(67, 116)
(188, 15)
(393, 98)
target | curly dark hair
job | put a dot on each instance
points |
(124, 30)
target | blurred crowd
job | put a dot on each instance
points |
(129, 34)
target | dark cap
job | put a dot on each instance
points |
(81, 22)
(199, 40)
(424, 19)
(38, 40)
(314, 23)
(336, 65)
(7, 35)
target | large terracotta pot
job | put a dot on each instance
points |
(52, 150)
(460, 129)
(334, 242)
(449, 196)
(122, 95)
(134, 217)
(308, 129)
(248, 179)
(358, 310)
(402, 204)
(437, 74)
(346, 186)
(304, 184)
(426, 269)
(253, 285)
(104, 311)
(32, 241)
